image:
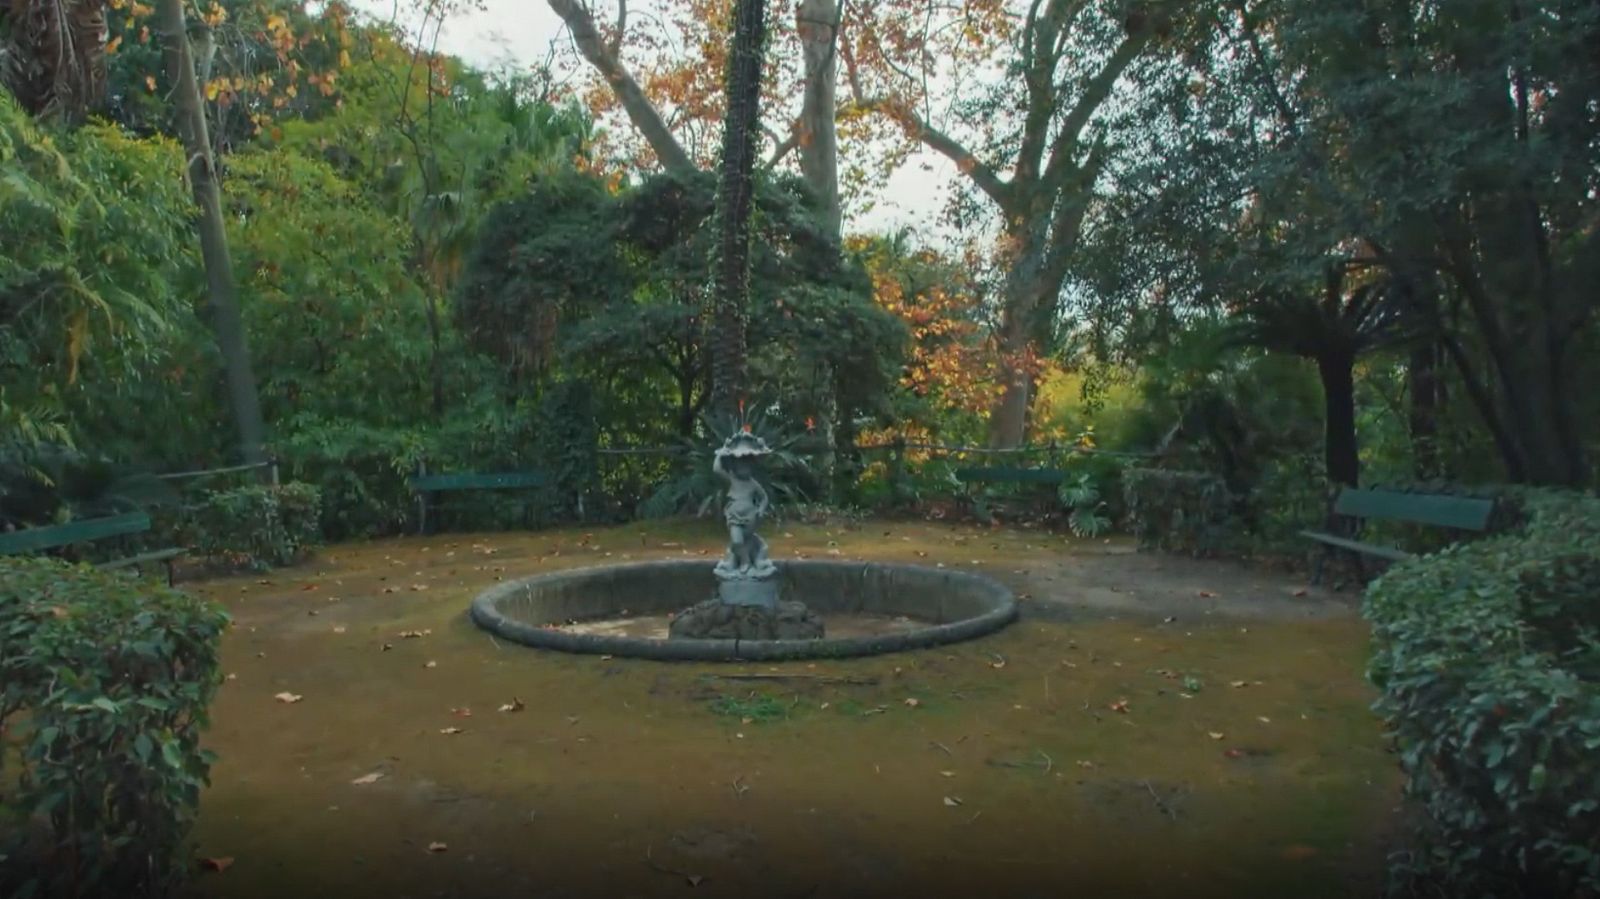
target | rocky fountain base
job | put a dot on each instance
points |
(718, 620)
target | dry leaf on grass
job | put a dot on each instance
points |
(288, 697)
(913, 703)
(366, 779)
(952, 801)
(449, 731)
(430, 664)
(515, 705)
(1215, 734)
(1120, 705)
(462, 712)
(437, 846)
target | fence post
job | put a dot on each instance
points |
(422, 500)
(897, 470)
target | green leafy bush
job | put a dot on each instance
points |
(256, 527)
(1186, 511)
(104, 686)
(1488, 656)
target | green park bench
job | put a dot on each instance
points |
(1049, 477)
(89, 530)
(1439, 510)
(426, 485)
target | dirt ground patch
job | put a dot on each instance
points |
(1129, 737)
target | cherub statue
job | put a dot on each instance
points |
(747, 502)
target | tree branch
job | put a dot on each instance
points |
(640, 110)
(1099, 89)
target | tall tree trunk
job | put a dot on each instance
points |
(1026, 286)
(225, 318)
(818, 139)
(1426, 397)
(735, 200)
(1339, 423)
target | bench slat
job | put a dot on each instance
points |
(1460, 512)
(160, 555)
(471, 481)
(34, 539)
(1014, 475)
(1371, 549)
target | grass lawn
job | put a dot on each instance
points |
(1088, 749)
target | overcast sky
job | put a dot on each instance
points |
(517, 33)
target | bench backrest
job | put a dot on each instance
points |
(34, 539)
(1460, 512)
(1018, 475)
(507, 479)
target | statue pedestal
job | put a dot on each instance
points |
(737, 589)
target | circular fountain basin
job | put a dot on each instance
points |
(933, 606)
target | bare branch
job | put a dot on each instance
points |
(640, 110)
(622, 28)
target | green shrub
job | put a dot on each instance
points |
(256, 527)
(1488, 656)
(104, 686)
(1183, 511)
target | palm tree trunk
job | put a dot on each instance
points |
(735, 198)
(1339, 429)
(226, 320)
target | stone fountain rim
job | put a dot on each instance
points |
(486, 614)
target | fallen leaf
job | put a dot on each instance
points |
(387, 647)
(1207, 594)
(824, 705)
(430, 664)
(219, 864)
(1300, 592)
(449, 731)
(913, 703)
(1263, 719)
(1215, 734)
(1120, 705)
(416, 587)
(947, 774)
(233, 676)
(952, 801)
(694, 879)
(338, 628)
(288, 697)
(1238, 683)
(437, 846)
(365, 779)
(462, 712)
(515, 705)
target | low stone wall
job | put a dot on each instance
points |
(956, 606)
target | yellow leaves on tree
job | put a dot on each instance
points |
(952, 361)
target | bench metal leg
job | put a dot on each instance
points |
(1316, 568)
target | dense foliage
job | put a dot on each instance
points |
(1488, 656)
(105, 682)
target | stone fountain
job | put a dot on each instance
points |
(747, 607)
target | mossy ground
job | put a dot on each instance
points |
(1103, 753)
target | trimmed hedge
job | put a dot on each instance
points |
(105, 682)
(256, 527)
(1183, 511)
(1488, 657)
